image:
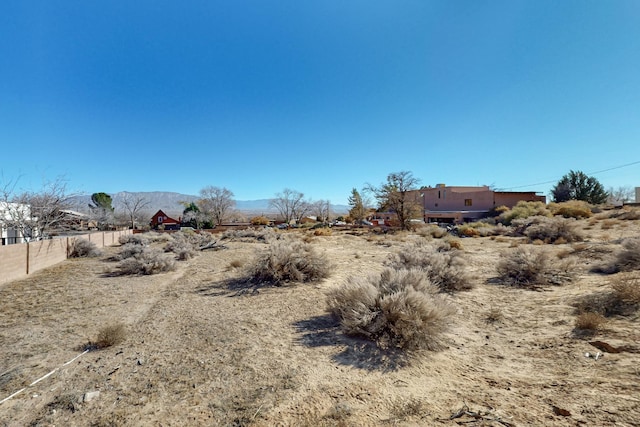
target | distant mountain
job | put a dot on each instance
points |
(173, 203)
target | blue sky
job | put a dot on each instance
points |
(319, 97)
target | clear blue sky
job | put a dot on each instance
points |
(317, 96)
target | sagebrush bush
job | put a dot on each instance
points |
(82, 248)
(252, 234)
(526, 267)
(626, 290)
(397, 309)
(433, 231)
(552, 230)
(110, 335)
(134, 239)
(571, 209)
(289, 261)
(445, 267)
(523, 210)
(628, 259)
(147, 261)
(129, 250)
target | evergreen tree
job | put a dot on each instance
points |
(577, 185)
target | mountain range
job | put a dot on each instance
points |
(172, 203)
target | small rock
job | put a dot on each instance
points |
(89, 396)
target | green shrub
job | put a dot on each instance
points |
(289, 261)
(82, 248)
(397, 309)
(444, 266)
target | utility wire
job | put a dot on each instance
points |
(589, 173)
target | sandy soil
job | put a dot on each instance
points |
(201, 351)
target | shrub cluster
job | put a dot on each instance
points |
(571, 209)
(549, 230)
(397, 309)
(443, 265)
(82, 248)
(252, 235)
(187, 244)
(289, 261)
(134, 239)
(627, 259)
(431, 231)
(522, 210)
(146, 261)
(527, 267)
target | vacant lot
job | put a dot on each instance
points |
(203, 348)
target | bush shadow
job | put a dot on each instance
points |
(324, 331)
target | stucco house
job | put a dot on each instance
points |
(456, 204)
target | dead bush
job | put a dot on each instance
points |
(289, 261)
(147, 261)
(526, 267)
(324, 231)
(626, 290)
(396, 309)
(629, 258)
(445, 267)
(252, 235)
(129, 250)
(623, 299)
(110, 335)
(590, 321)
(82, 248)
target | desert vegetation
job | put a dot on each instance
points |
(507, 322)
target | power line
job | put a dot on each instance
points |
(589, 173)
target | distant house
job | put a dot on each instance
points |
(14, 223)
(161, 221)
(458, 204)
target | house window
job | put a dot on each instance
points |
(468, 202)
(160, 219)
(438, 194)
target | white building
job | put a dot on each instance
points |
(15, 220)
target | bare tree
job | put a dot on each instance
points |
(216, 203)
(621, 194)
(134, 205)
(395, 196)
(36, 214)
(322, 210)
(290, 204)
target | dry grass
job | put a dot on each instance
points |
(626, 290)
(445, 266)
(134, 239)
(431, 231)
(289, 261)
(324, 231)
(397, 309)
(590, 321)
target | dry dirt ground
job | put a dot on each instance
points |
(201, 351)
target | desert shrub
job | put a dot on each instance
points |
(156, 237)
(289, 261)
(259, 220)
(433, 231)
(129, 250)
(571, 209)
(147, 261)
(623, 299)
(445, 267)
(251, 235)
(551, 230)
(630, 214)
(467, 231)
(133, 239)
(396, 309)
(526, 267)
(589, 321)
(523, 210)
(82, 248)
(110, 335)
(186, 244)
(628, 259)
(324, 231)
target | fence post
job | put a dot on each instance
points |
(27, 258)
